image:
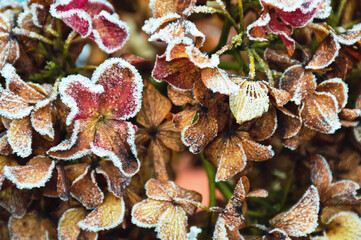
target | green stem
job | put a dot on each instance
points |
(34, 35)
(225, 190)
(341, 6)
(224, 36)
(52, 31)
(264, 66)
(229, 17)
(252, 68)
(67, 43)
(78, 69)
(287, 189)
(240, 9)
(211, 174)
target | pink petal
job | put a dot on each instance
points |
(122, 88)
(81, 95)
(297, 18)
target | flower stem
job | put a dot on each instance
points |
(52, 31)
(211, 174)
(78, 69)
(224, 35)
(34, 35)
(225, 190)
(265, 67)
(252, 68)
(341, 6)
(240, 9)
(228, 16)
(67, 43)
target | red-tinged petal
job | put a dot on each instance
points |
(32, 226)
(325, 54)
(122, 88)
(302, 218)
(68, 228)
(34, 174)
(109, 32)
(20, 136)
(319, 112)
(253, 150)
(78, 144)
(289, 123)
(85, 189)
(95, 7)
(351, 36)
(116, 181)
(146, 214)
(298, 82)
(324, 9)
(63, 185)
(107, 215)
(289, 6)
(78, 19)
(115, 140)
(41, 120)
(297, 18)
(181, 73)
(154, 107)
(250, 102)
(321, 175)
(289, 43)
(13, 106)
(18, 87)
(133, 59)
(200, 133)
(265, 126)
(217, 80)
(81, 95)
(337, 88)
(257, 30)
(172, 224)
(14, 201)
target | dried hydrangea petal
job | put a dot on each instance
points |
(343, 225)
(289, 123)
(325, 54)
(220, 231)
(172, 224)
(251, 101)
(34, 174)
(179, 97)
(15, 201)
(68, 223)
(63, 185)
(170, 136)
(343, 190)
(147, 213)
(302, 136)
(217, 80)
(163, 191)
(257, 29)
(162, 7)
(107, 215)
(337, 88)
(319, 112)
(351, 36)
(301, 219)
(265, 126)
(321, 174)
(253, 150)
(20, 136)
(85, 189)
(32, 226)
(13, 106)
(41, 120)
(5, 148)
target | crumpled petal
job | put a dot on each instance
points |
(68, 223)
(337, 88)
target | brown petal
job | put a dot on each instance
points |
(281, 97)
(253, 150)
(265, 126)
(74, 171)
(107, 215)
(34, 174)
(68, 224)
(148, 212)
(86, 191)
(32, 226)
(337, 88)
(116, 181)
(298, 82)
(41, 121)
(200, 133)
(319, 112)
(217, 80)
(63, 185)
(277, 60)
(345, 188)
(160, 156)
(14, 201)
(250, 102)
(259, 193)
(5, 148)
(276, 234)
(220, 231)
(349, 114)
(13, 106)
(344, 225)
(289, 124)
(20, 136)
(154, 107)
(170, 136)
(227, 154)
(301, 219)
(186, 199)
(172, 224)
(325, 54)
(321, 175)
(5, 161)
(160, 7)
(179, 97)
(157, 190)
(301, 137)
(185, 118)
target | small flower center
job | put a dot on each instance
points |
(153, 131)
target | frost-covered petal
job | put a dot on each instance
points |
(4, 161)
(297, 18)
(116, 181)
(181, 73)
(319, 112)
(107, 215)
(343, 188)
(303, 135)
(15, 201)
(217, 80)
(172, 224)
(147, 213)
(13, 106)
(289, 123)
(253, 150)
(10, 52)
(109, 32)
(170, 136)
(324, 9)
(351, 36)
(123, 87)
(325, 54)
(220, 231)
(153, 24)
(85, 189)
(298, 82)
(342, 226)
(265, 126)
(34, 174)
(62, 184)
(20, 136)
(163, 191)
(179, 97)
(280, 97)
(302, 218)
(68, 228)
(278, 60)
(321, 175)
(81, 95)
(32, 226)
(257, 30)
(160, 8)
(250, 102)
(5, 148)
(115, 140)
(41, 120)
(337, 88)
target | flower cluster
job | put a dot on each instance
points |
(103, 103)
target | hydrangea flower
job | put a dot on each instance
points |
(94, 19)
(99, 109)
(279, 17)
